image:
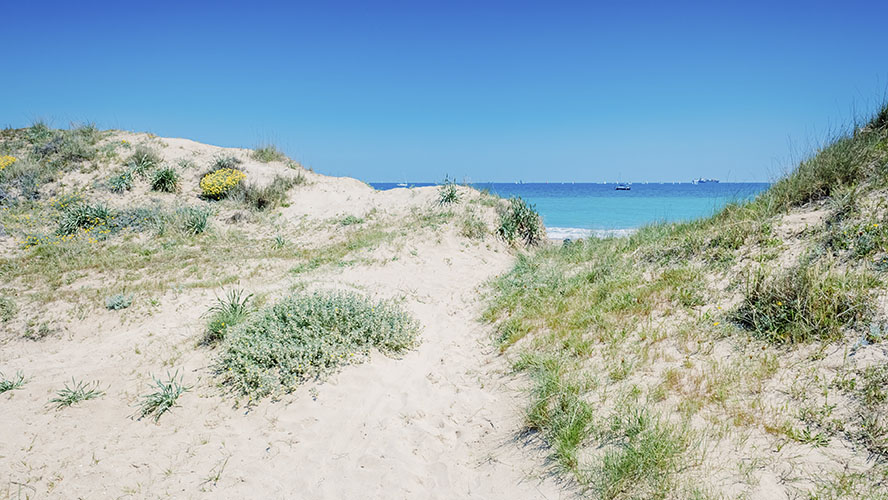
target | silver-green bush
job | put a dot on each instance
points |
(309, 335)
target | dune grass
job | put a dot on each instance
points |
(76, 393)
(582, 320)
(164, 398)
(17, 381)
(228, 311)
(268, 153)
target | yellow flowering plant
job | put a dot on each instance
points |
(6, 161)
(219, 183)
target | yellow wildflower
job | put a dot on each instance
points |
(216, 184)
(6, 161)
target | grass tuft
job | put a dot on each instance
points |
(228, 312)
(165, 180)
(265, 197)
(164, 398)
(448, 193)
(268, 153)
(143, 161)
(194, 220)
(10, 384)
(121, 182)
(83, 216)
(75, 393)
(8, 309)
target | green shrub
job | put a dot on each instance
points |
(143, 161)
(164, 398)
(806, 303)
(447, 192)
(350, 220)
(121, 182)
(83, 216)
(520, 221)
(228, 312)
(194, 220)
(306, 336)
(165, 179)
(118, 301)
(271, 195)
(268, 153)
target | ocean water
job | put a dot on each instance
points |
(576, 210)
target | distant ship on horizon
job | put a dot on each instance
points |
(701, 180)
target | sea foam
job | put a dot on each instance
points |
(574, 233)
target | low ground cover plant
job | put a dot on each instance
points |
(308, 335)
(118, 301)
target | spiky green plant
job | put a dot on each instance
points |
(165, 179)
(75, 393)
(227, 312)
(164, 398)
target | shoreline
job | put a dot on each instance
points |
(574, 233)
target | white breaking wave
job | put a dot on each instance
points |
(575, 233)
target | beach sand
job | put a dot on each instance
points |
(442, 422)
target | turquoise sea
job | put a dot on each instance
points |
(576, 210)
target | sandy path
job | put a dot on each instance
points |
(439, 423)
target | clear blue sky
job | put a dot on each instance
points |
(485, 91)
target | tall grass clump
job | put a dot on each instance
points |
(268, 153)
(228, 161)
(83, 216)
(121, 182)
(804, 304)
(143, 161)
(271, 195)
(228, 312)
(163, 399)
(848, 160)
(520, 221)
(308, 335)
(447, 192)
(165, 179)
(194, 220)
(643, 455)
